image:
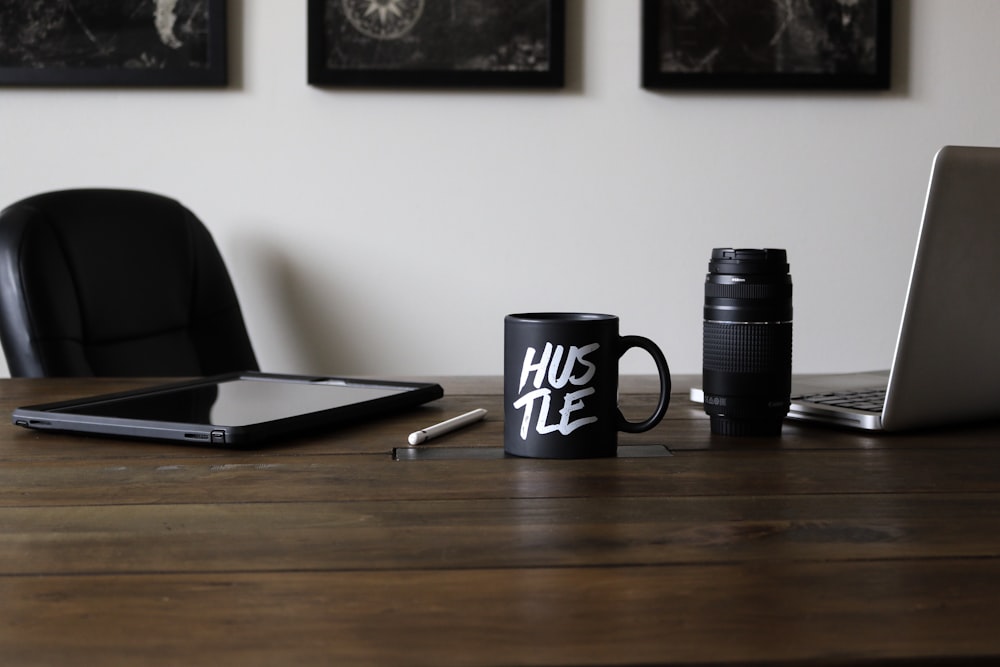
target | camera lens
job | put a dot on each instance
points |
(747, 341)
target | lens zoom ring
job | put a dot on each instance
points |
(748, 291)
(747, 348)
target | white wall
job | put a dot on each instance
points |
(388, 232)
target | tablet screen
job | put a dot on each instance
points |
(238, 401)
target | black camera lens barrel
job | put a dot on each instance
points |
(747, 341)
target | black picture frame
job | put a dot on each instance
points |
(766, 44)
(425, 43)
(127, 43)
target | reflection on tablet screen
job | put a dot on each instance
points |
(237, 402)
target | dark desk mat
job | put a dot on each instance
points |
(484, 453)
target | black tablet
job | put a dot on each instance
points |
(233, 410)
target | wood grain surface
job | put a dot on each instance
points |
(821, 547)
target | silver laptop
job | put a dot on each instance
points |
(946, 368)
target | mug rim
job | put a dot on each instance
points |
(555, 316)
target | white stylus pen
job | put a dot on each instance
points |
(446, 426)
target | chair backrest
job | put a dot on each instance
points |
(102, 282)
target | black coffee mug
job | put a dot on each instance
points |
(560, 384)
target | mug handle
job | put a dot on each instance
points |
(626, 343)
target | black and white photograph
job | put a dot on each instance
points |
(111, 42)
(435, 43)
(766, 43)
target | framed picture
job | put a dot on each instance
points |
(113, 42)
(462, 43)
(766, 43)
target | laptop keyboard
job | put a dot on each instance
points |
(867, 400)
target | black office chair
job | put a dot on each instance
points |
(115, 283)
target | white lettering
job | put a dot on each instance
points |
(577, 370)
(528, 403)
(591, 369)
(573, 403)
(539, 368)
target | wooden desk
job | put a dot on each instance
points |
(822, 547)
